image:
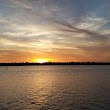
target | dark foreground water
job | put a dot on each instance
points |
(55, 88)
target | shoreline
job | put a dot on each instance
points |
(55, 63)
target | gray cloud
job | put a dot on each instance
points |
(45, 24)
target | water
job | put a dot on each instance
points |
(55, 88)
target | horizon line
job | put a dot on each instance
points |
(53, 63)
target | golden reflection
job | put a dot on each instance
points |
(43, 83)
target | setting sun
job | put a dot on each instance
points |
(41, 60)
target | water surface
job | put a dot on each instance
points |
(55, 87)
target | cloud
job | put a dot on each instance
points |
(16, 56)
(20, 4)
(46, 25)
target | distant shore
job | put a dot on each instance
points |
(54, 63)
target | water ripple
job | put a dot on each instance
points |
(55, 88)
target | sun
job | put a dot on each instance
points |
(42, 60)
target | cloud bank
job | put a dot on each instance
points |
(53, 28)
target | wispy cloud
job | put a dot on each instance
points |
(50, 26)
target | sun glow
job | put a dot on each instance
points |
(41, 60)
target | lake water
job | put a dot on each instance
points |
(55, 87)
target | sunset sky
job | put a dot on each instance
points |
(56, 30)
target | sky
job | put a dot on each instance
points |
(57, 30)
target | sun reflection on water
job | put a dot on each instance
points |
(42, 87)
